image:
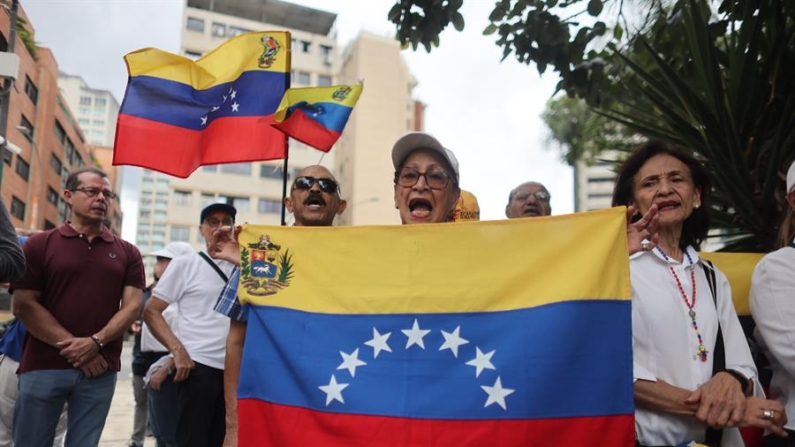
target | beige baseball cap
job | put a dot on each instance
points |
(420, 140)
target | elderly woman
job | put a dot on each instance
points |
(426, 179)
(693, 368)
(773, 309)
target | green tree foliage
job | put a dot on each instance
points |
(715, 77)
(582, 132)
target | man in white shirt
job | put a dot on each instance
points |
(194, 283)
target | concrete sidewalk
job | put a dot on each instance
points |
(119, 424)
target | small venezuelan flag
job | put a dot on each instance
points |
(510, 333)
(178, 114)
(317, 115)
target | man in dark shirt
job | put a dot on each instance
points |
(80, 291)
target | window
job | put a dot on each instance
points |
(180, 233)
(193, 54)
(182, 198)
(207, 199)
(52, 196)
(160, 214)
(55, 163)
(60, 133)
(323, 81)
(85, 100)
(17, 208)
(99, 122)
(236, 168)
(270, 171)
(158, 236)
(147, 181)
(27, 125)
(7, 156)
(31, 90)
(70, 151)
(325, 51)
(303, 78)
(241, 204)
(162, 182)
(23, 168)
(79, 160)
(161, 204)
(269, 206)
(219, 29)
(235, 31)
(306, 46)
(83, 121)
(84, 111)
(100, 102)
(210, 168)
(145, 214)
(195, 24)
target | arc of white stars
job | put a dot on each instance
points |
(215, 108)
(233, 94)
(482, 361)
(224, 98)
(235, 105)
(452, 340)
(204, 120)
(415, 335)
(378, 343)
(497, 394)
(351, 362)
(333, 390)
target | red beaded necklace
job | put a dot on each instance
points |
(702, 352)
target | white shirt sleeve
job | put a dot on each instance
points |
(171, 286)
(773, 308)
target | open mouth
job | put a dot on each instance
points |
(314, 202)
(667, 206)
(531, 210)
(420, 208)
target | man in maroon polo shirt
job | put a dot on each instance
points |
(81, 290)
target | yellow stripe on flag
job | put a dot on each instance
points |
(738, 268)
(407, 269)
(224, 64)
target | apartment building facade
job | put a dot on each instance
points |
(48, 138)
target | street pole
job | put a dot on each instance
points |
(5, 98)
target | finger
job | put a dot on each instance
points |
(694, 397)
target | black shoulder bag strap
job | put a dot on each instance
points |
(792, 244)
(214, 266)
(714, 436)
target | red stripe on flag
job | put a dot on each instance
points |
(178, 151)
(263, 424)
(308, 131)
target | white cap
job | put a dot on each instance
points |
(791, 177)
(173, 250)
(419, 140)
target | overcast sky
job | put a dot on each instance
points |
(487, 112)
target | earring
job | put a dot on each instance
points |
(697, 205)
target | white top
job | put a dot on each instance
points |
(191, 282)
(664, 342)
(773, 309)
(148, 341)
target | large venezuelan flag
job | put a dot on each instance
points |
(178, 114)
(500, 334)
(317, 115)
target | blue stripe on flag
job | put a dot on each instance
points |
(548, 357)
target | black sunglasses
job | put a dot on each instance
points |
(326, 185)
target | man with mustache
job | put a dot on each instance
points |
(529, 199)
(314, 201)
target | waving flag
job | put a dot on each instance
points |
(178, 114)
(317, 115)
(438, 335)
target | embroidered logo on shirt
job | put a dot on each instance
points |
(112, 255)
